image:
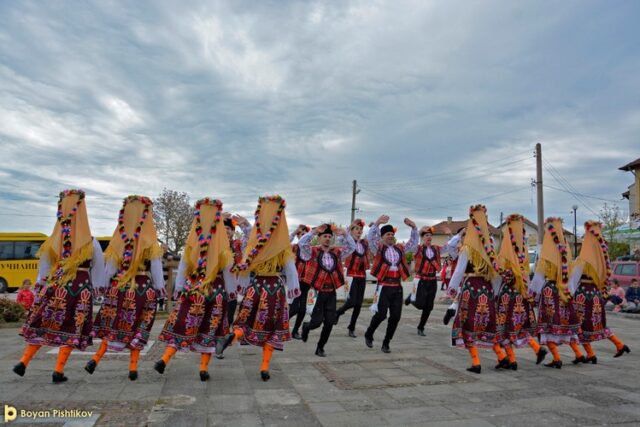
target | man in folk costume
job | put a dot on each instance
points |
(269, 278)
(237, 248)
(588, 283)
(477, 271)
(324, 273)
(515, 318)
(357, 265)
(427, 264)
(390, 267)
(71, 263)
(204, 285)
(134, 272)
(298, 307)
(557, 319)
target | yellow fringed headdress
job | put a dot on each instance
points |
(268, 248)
(207, 250)
(134, 240)
(594, 254)
(514, 253)
(70, 243)
(554, 257)
(478, 244)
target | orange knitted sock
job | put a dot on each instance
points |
(576, 349)
(29, 352)
(63, 356)
(168, 354)
(101, 351)
(267, 352)
(204, 361)
(553, 347)
(617, 341)
(475, 357)
(133, 359)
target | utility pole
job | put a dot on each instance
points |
(575, 231)
(539, 193)
(353, 200)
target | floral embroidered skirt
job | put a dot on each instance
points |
(264, 312)
(588, 303)
(515, 318)
(557, 319)
(475, 321)
(62, 315)
(198, 320)
(127, 314)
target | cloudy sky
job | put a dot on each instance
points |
(430, 105)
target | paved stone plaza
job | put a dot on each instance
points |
(422, 382)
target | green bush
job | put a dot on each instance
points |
(11, 311)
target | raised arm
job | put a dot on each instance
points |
(347, 243)
(304, 244)
(412, 244)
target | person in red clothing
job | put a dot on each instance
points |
(357, 265)
(298, 306)
(237, 248)
(390, 267)
(324, 273)
(25, 295)
(427, 265)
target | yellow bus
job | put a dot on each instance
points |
(18, 257)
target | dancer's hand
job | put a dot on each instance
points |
(410, 223)
(383, 219)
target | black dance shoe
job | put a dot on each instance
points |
(448, 315)
(475, 369)
(160, 366)
(368, 341)
(385, 348)
(91, 366)
(540, 355)
(554, 364)
(593, 360)
(204, 376)
(513, 366)
(407, 301)
(623, 350)
(352, 334)
(58, 377)
(580, 359)
(503, 364)
(133, 375)
(320, 352)
(20, 369)
(295, 335)
(265, 375)
(305, 331)
(421, 332)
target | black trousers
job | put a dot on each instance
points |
(390, 299)
(356, 296)
(231, 310)
(425, 296)
(298, 306)
(324, 313)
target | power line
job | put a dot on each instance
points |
(582, 195)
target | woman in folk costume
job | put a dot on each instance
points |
(298, 306)
(557, 320)
(263, 319)
(71, 263)
(477, 271)
(588, 282)
(134, 271)
(357, 264)
(204, 285)
(515, 318)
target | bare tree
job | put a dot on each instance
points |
(611, 218)
(172, 213)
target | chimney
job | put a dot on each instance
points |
(449, 219)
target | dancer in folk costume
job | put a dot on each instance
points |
(515, 318)
(588, 283)
(263, 318)
(134, 272)
(237, 248)
(427, 264)
(204, 285)
(324, 273)
(390, 267)
(298, 306)
(357, 265)
(557, 319)
(477, 271)
(71, 264)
